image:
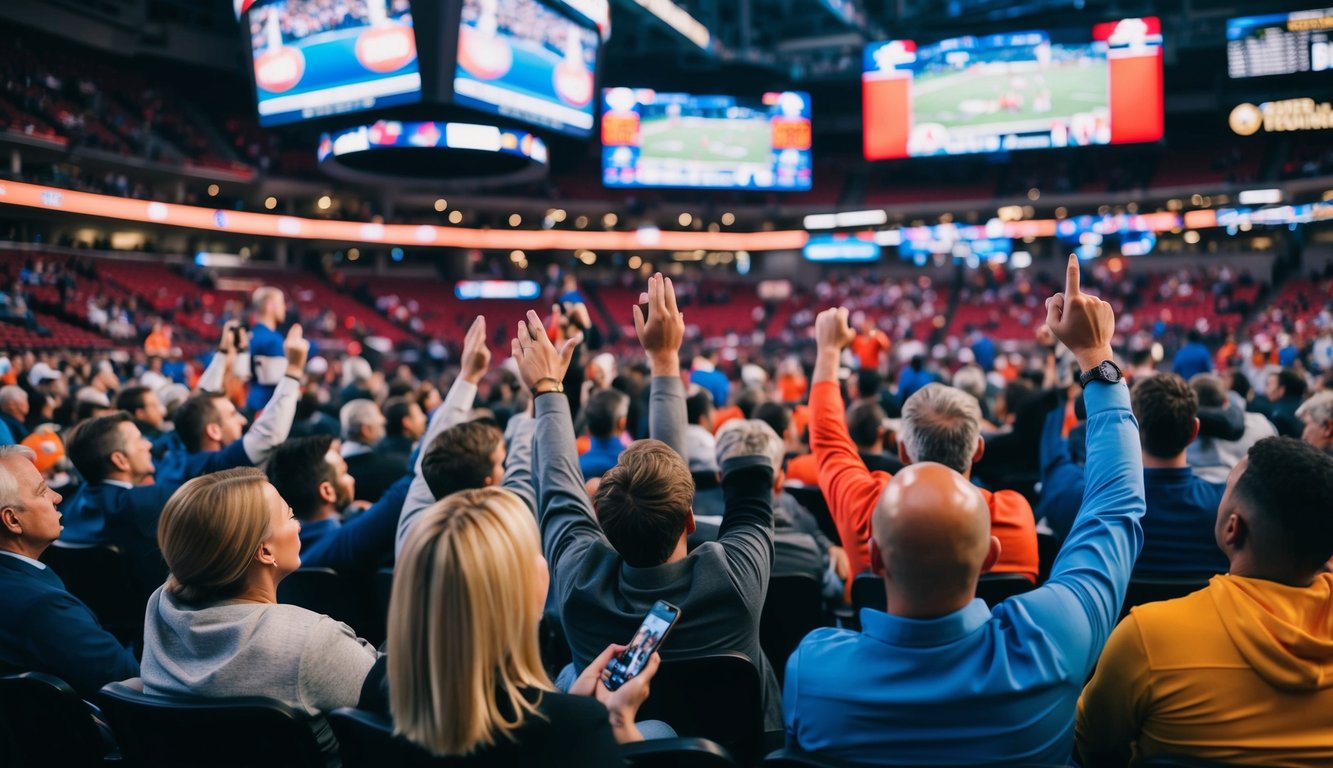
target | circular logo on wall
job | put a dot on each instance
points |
(1246, 119)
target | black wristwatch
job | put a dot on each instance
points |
(1106, 371)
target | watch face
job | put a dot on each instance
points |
(1108, 371)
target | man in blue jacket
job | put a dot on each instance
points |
(45, 628)
(940, 679)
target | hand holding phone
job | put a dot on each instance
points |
(647, 640)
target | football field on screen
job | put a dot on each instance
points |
(971, 98)
(707, 140)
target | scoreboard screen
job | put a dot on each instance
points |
(1014, 90)
(652, 139)
(1280, 44)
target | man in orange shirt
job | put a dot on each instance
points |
(1242, 670)
(870, 345)
(939, 424)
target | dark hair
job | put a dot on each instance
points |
(775, 415)
(698, 405)
(748, 400)
(864, 421)
(297, 467)
(459, 458)
(605, 410)
(1166, 408)
(1194, 336)
(1287, 485)
(85, 409)
(1209, 389)
(1292, 382)
(131, 399)
(1017, 393)
(395, 410)
(90, 445)
(868, 383)
(1240, 384)
(192, 416)
(644, 501)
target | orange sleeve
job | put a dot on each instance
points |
(803, 469)
(852, 491)
(1012, 522)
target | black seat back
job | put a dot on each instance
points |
(1154, 588)
(103, 577)
(156, 731)
(793, 608)
(868, 592)
(717, 697)
(995, 588)
(676, 753)
(44, 722)
(322, 590)
(1048, 548)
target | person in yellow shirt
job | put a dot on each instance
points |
(1241, 671)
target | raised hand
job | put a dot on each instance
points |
(476, 358)
(1083, 323)
(832, 330)
(663, 330)
(541, 364)
(297, 348)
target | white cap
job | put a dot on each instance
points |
(317, 366)
(753, 375)
(42, 372)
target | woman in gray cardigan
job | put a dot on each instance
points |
(215, 629)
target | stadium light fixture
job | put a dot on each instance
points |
(441, 205)
(680, 20)
(610, 220)
(1260, 197)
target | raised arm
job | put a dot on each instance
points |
(518, 459)
(564, 512)
(746, 533)
(214, 377)
(661, 334)
(455, 408)
(1095, 562)
(850, 489)
(275, 421)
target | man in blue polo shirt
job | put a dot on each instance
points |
(939, 678)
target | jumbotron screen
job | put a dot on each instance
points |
(313, 59)
(1280, 43)
(1015, 90)
(652, 139)
(525, 60)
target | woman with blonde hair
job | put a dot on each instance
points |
(464, 670)
(216, 629)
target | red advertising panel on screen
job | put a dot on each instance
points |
(1014, 90)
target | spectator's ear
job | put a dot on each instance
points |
(981, 448)
(1194, 433)
(876, 559)
(993, 556)
(120, 461)
(902, 454)
(327, 494)
(689, 523)
(213, 432)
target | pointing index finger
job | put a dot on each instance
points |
(1072, 276)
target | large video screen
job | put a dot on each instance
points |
(1280, 44)
(1016, 90)
(524, 60)
(652, 139)
(314, 58)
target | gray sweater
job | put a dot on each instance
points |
(284, 652)
(719, 587)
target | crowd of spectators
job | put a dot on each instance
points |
(542, 495)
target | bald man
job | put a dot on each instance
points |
(940, 679)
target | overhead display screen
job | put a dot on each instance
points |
(314, 58)
(525, 60)
(652, 139)
(1280, 44)
(1012, 91)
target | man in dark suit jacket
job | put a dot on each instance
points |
(114, 507)
(45, 629)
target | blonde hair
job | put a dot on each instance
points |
(209, 532)
(462, 624)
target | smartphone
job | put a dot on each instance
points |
(659, 621)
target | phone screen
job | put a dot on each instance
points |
(645, 642)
